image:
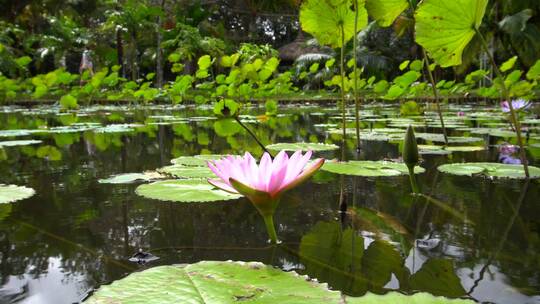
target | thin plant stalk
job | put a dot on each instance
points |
(253, 135)
(412, 178)
(344, 124)
(356, 100)
(513, 115)
(436, 95)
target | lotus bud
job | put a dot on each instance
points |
(410, 156)
(410, 149)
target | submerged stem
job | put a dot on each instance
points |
(269, 222)
(253, 135)
(513, 116)
(436, 95)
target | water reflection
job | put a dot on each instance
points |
(77, 234)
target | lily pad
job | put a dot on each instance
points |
(233, 282)
(302, 147)
(489, 170)
(441, 150)
(197, 160)
(129, 178)
(12, 193)
(434, 137)
(185, 191)
(182, 171)
(369, 168)
(214, 282)
(14, 143)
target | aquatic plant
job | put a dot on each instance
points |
(517, 104)
(263, 184)
(410, 156)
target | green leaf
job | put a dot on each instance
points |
(404, 65)
(181, 171)
(331, 22)
(534, 71)
(438, 277)
(369, 168)
(385, 11)
(23, 61)
(14, 143)
(514, 24)
(509, 64)
(302, 147)
(416, 65)
(197, 160)
(204, 62)
(68, 102)
(445, 28)
(129, 178)
(489, 170)
(214, 282)
(396, 297)
(184, 191)
(12, 193)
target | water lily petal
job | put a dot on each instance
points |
(222, 185)
(306, 174)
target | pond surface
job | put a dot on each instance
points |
(477, 238)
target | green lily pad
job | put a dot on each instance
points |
(185, 191)
(16, 133)
(441, 150)
(12, 193)
(197, 160)
(434, 137)
(214, 282)
(233, 282)
(14, 143)
(129, 178)
(369, 168)
(302, 147)
(489, 170)
(182, 171)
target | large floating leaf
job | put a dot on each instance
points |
(444, 28)
(396, 297)
(324, 19)
(385, 11)
(214, 282)
(185, 191)
(197, 160)
(369, 168)
(12, 193)
(128, 178)
(451, 139)
(302, 147)
(14, 143)
(489, 170)
(182, 171)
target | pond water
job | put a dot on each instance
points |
(477, 238)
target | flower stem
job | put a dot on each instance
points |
(514, 119)
(269, 222)
(356, 101)
(253, 135)
(412, 178)
(343, 105)
(436, 95)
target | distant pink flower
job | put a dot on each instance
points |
(460, 114)
(517, 104)
(263, 184)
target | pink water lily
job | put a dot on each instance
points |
(517, 104)
(264, 183)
